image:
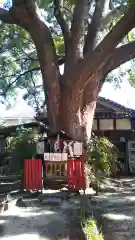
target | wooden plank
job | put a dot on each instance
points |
(10, 177)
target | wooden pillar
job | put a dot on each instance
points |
(126, 160)
(114, 124)
(98, 125)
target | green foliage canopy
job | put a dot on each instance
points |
(19, 65)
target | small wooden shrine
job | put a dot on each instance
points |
(61, 162)
(117, 123)
(55, 151)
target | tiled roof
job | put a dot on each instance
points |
(120, 110)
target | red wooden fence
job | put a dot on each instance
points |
(75, 172)
(33, 174)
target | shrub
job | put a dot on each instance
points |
(103, 159)
(88, 223)
(91, 231)
(19, 147)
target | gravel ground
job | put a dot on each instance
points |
(115, 209)
(40, 221)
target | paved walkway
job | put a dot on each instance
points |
(115, 209)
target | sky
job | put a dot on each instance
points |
(124, 95)
(19, 109)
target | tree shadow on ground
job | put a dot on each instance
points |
(115, 211)
(48, 222)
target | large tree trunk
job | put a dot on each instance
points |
(70, 106)
(78, 108)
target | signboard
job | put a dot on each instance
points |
(56, 157)
(64, 156)
(46, 156)
(74, 148)
(77, 149)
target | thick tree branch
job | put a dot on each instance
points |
(121, 55)
(78, 28)
(94, 26)
(5, 17)
(46, 53)
(104, 50)
(116, 12)
(61, 21)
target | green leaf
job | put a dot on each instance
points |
(18, 53)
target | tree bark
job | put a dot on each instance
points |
(94, 26)
(78, 108)
(120, 56)
(62, 22)
(50, 72)
(96, 60)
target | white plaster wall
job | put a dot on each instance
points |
(123, 124)
(94, 126)
(106, 124)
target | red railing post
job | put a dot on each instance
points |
(33, 174)
(75, 174)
